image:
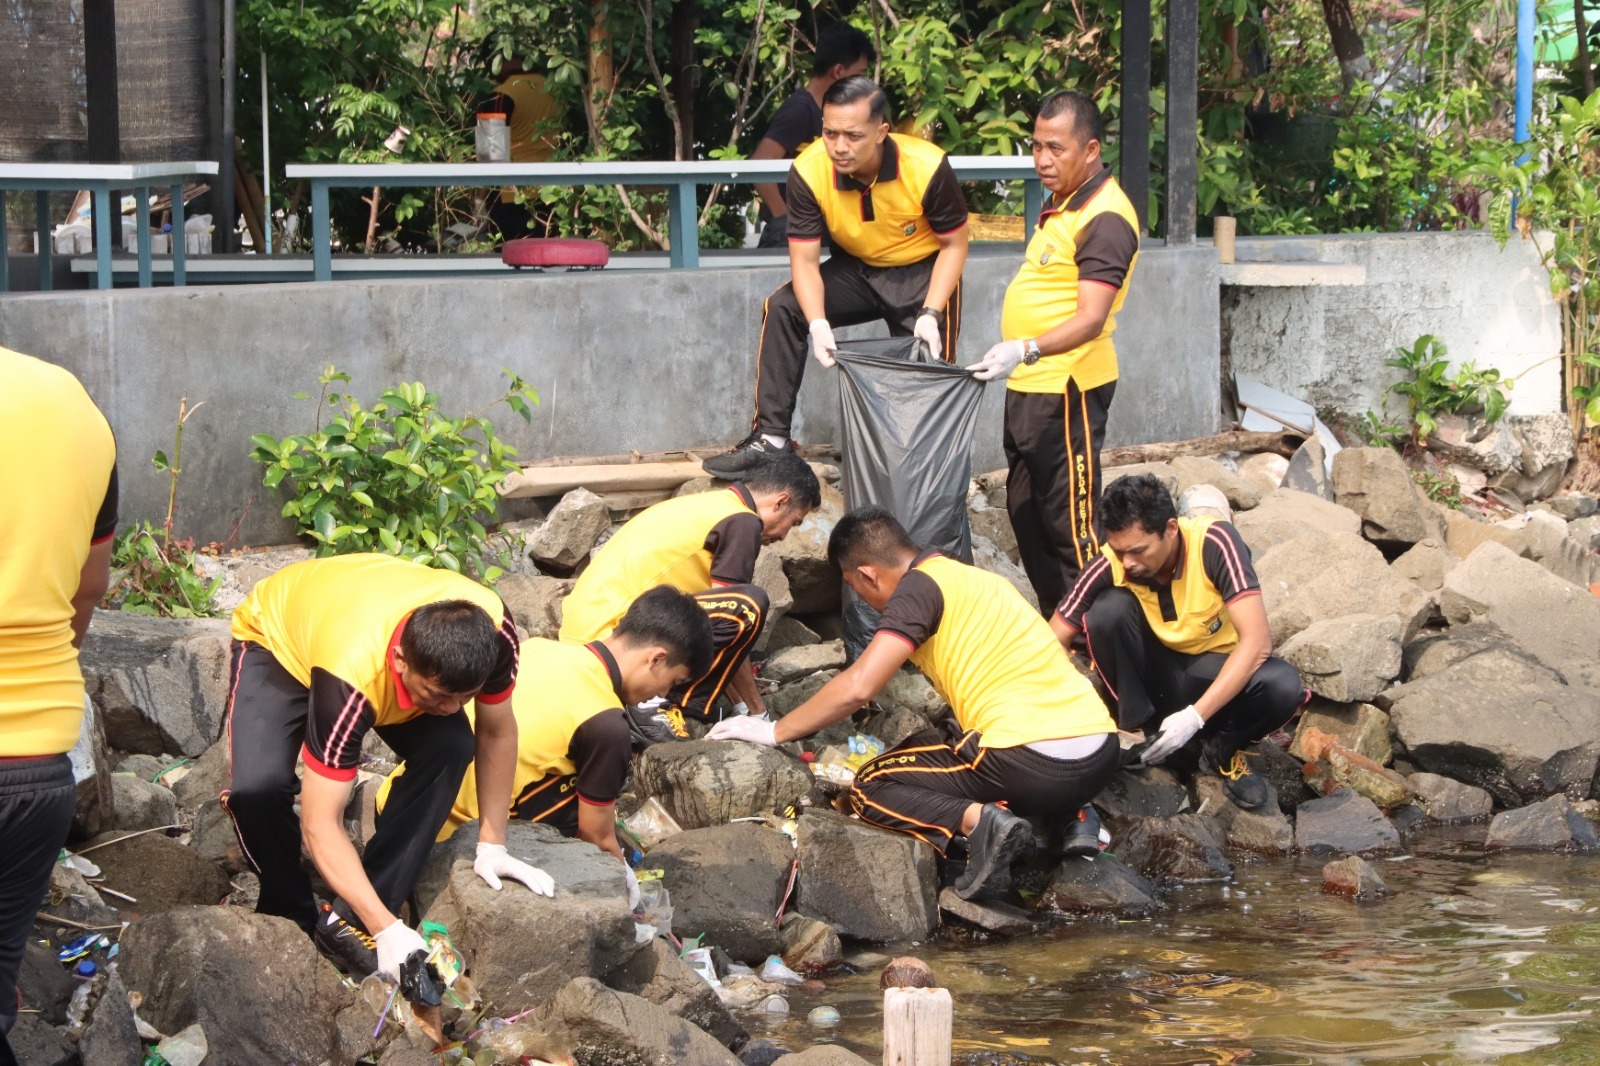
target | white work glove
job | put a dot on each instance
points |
(822, 342)
(1177, 729)
(745, 727)
(927, 330)
(633, 887)
(395, 945)
(494, 862)
(998, 362)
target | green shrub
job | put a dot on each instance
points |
(399, 476)
(1432, 390)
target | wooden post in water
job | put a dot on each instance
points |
(916, 1026)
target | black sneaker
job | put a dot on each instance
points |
(737, 461)
(1083, 834)
(1245, 787)
(656, 724)
(340, 937)
(999, 839)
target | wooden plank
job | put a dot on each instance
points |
(1238, 440)
(916, 1026)
(805, 451)
(599, 478)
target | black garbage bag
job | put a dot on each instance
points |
(907, 423)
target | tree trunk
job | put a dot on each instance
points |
(1585, 69)
(1347, 44)
(681, 64)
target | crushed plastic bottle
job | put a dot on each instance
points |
(773, 1004)
(78, 1005)
(775, 972)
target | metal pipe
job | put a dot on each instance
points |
(1526, 24)
(266, 160)
(227, 211)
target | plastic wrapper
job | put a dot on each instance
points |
(774, 971)
(651, 824)
(907, 425)
(655, 905)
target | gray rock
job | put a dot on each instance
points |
(37, 1043)
(141, 805)
(1463, 534)
(810, 946)
(1431, 652)
(157, 871)
(657, 975)
(780, 600)
(795, 663)
(207, 777)
(535, 602)
(256, 984)
(586, 930)
(1550, 825)
(1264, 831)
(1153, 792)
(1571, 505)
(1343, 822)
(1425, 564)
(1362, 728)
(570, 533)
(46, 986)
(1264, 471)
(1547, 447)
(987, 557)
(822, 1055)
(1194, 470)
(76, 900)
(726, 882)
(1450, 801)
(1376, 484)
(893, 725)
(1308, 470)
(993, 524)
(866, 882)
(1100, 885)
(789, 632)
(214, 838)
(1000, 919)
(1185, 847)
(1313, 578)
(1541, 738)
(795, 693)
(908, 688)
(1282, 772)
(161, 684)
(1349, 659)
(612, 1028)
(711, 782)
(111, 1039)
(1204, 501)
(144, 767)
(1286, 514)
(1586, 531)
(1353, 877)
(1551, 547)
(94, 809)
(813, 582)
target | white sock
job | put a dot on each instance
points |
(741, 709)
(774, 440)
(650, 704)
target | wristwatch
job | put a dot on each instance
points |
(1030, 352)
(938, 315)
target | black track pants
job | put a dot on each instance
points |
(37, 797)
(737, 613)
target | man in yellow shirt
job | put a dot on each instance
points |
(706, 545)
(1173, 614)
(324, 651)
(573, 744)
(59, 481)
(897, 220)
(1028, 732)
(1057, 356)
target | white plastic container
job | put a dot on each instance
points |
(493, 138)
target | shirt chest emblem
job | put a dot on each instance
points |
(910, 228)
(1214, 625)
(1044, 256)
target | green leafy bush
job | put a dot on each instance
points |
(399, 476)
(1432, 390)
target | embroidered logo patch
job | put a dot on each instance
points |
(1214, 625)
(911, 227)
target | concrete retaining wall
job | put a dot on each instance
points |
(1327, 344)
(642, 360)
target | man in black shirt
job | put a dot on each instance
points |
(842, 50)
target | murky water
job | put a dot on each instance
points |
(1474, 959)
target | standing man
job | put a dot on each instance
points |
(1057, 356)
(706, 545)
(59, 480)
(324, 651)
(842, 52)
(1173, 613)
(1029, 731)
(898, 224)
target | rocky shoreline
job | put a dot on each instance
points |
(1453, 658)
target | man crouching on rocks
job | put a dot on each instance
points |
(1175, 625)
(1029, 731)
(573, 744)
(323, 651)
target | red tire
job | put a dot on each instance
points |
(554, 252)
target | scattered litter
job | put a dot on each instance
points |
(82, 947)
(187, 1048)
(773, 1004)
(79, 863)
(775, 971)
(651, 824)
(823, 1016)
(699, 959)
(655, 903)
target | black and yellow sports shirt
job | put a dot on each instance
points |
(691, 543)
(1092, 237)
(59, 484)
(991, 656)
(334, 624)
(1189, 612)
(894, 221)
(571, 726)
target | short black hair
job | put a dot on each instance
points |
(1137, 498)
(841, 45)
(858, 87)
(786, 472)
(1087, 124)
(453, 642)
(869, 535)
(668, 618)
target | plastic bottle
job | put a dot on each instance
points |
(493, 138)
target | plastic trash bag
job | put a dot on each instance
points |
(907, 423)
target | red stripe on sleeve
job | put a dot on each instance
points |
(322, 769)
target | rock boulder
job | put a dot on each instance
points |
(570, 533)
(535, 602)
(657, 975)
(1313, 578)
(1550, 825)
(1353, 877)
(1099, 885)
(1286, 514)
(1345, 823)
(726, 882)
(161, 684)
(612, 1028)
(1363, 728)
(868, 883)
(1450, 801)
(704, 783)
(1349, 659)
(792, 664)
(141, 805)
(157, 871)
(1193, 470)
(1557, 621)
(1185, 847)
(1376, 484)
